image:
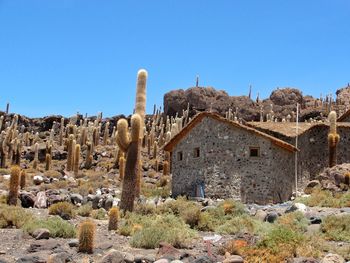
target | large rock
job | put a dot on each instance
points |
(115, 256)
(27, 199)
(40, 200)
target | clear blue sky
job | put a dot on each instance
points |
(64, 56)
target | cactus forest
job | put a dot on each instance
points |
(185, 131)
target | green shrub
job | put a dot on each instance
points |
(187, 210)
(336, 228)
(325, 198)
(99, 214)
(238, 224)
(232, 207)
(281, 236)
(63, 209)
(85, 210)
(166, 228)
(57, 227)
(295, 221)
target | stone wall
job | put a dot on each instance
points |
(313, 154)
(225, 167)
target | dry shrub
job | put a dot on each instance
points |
(63, 209)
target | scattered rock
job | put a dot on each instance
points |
(31, 259)
(113, 256)
(297, 207)
(271, 217)
(76, 199)
(332, 258)
(233, 259)
(38, 179)
(41, 245)
(261, 215)
(41, 233)
(168, 251)
(73, 242)
(61, 257)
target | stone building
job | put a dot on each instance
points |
(217, 158)
(312, 144)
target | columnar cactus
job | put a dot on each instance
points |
(76, 159)
(61, 131)
(333, 138)
(131, 144)
(70, 152)
(86, 236)
(36, 156)
(48, 160)
(88, 160)
(14, 185)
(23, 179)
(106, 134)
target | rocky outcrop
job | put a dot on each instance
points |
(283, 101)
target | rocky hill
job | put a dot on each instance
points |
(282, 102)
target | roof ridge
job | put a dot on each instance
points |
(169, 146)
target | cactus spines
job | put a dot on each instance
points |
(76, 159)
(70, 152)
(14, 185)
(23, 179)
(140, 105)
(333, 138)
(121, 167)
(86, 236)
(113, 218)
(48, 162)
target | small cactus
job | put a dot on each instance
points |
(14, 185)
(86, 236)
(23, 179)
(113, 218)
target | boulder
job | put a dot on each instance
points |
(311, 186)
(76, 199)
(27, 199)
(233, 259)
(40, 200)
(297, 207)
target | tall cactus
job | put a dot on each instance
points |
(14, 185)
(131, 144)
(333, 138)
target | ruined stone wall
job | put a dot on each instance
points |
(225, 167)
